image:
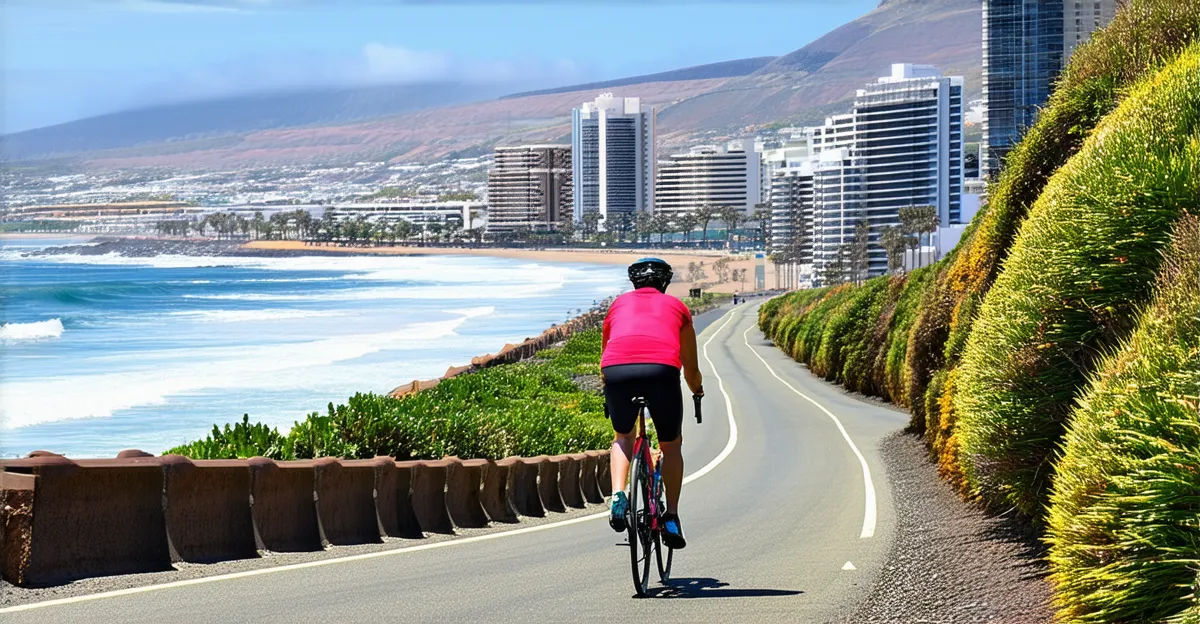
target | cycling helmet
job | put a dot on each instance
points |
(650, 272)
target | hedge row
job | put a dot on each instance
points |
(1143, 35)
(529, 408)
(1124, 523)
(1083, 264)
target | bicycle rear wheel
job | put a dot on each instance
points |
(641, 542)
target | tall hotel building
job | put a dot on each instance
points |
(709, 176)
(612, 157)
(1026, 43)
(529, 187)
(901, 147)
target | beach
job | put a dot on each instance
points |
(678, 259)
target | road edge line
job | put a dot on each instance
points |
(398, 551)
(869, 512)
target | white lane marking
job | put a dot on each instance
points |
(868, 526)
(399, 551)
(733, 432)
(849, 566)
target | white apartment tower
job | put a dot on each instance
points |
(792, 211)
(612, 157)
(903, 147)
(709, 176)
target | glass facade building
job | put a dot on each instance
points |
(1026, 43)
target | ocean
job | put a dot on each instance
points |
(103, 353)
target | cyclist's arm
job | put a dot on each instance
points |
(687, 355)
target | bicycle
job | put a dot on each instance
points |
(647, 506)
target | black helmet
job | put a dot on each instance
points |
(650, 272)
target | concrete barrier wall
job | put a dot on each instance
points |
(62, 520)
(16, 531)
(568, 480)
(494, 494)
(428, 494)
(345, 500)
(523, 486)
(90, 518)
(282, 505)
(207, 508)
(463, 482)
(548, 485)
(588, 480)
(398, 517)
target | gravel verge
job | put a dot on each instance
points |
(951, 561)
(11, 595)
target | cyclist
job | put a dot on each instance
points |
(648, 336)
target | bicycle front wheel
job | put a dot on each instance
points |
(640, 540)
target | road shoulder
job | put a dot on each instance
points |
(950, 561)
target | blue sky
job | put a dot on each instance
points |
(66, 60)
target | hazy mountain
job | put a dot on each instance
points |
(726, 69)
(424, 122)
(804, 84)
(236, 115)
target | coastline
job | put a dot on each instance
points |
(678, 259)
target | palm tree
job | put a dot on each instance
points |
(687, 222)
(704, 215)
(894, 242)
(762, 214)
(643, 226)
(732, 217)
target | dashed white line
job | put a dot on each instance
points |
(869, 512)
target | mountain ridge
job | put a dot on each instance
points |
(724, 98)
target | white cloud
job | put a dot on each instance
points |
(398, 64)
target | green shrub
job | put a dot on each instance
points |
(1138, 40)
(1084, 260)
(528, 408)
(240, 440)
(892, 374)
(1124, 523)
(851, 335)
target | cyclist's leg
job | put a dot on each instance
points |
(620, 386)
(666, 408)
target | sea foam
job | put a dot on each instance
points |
(40, 330)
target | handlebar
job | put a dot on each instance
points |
(696, 402)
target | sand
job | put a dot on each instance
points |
(679, 259)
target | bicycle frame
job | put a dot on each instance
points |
(641, 447)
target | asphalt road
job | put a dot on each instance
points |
(779, 522)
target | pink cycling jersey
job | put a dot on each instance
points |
(642, 327)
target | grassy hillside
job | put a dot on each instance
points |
(1124, 531)
(1081, 266)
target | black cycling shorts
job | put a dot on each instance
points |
(658, 384)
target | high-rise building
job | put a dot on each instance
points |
(1026, 43)
(709, 176)
(901, 147)
(529, 187)
(837, 206)
(792, 211)
(613, 157)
